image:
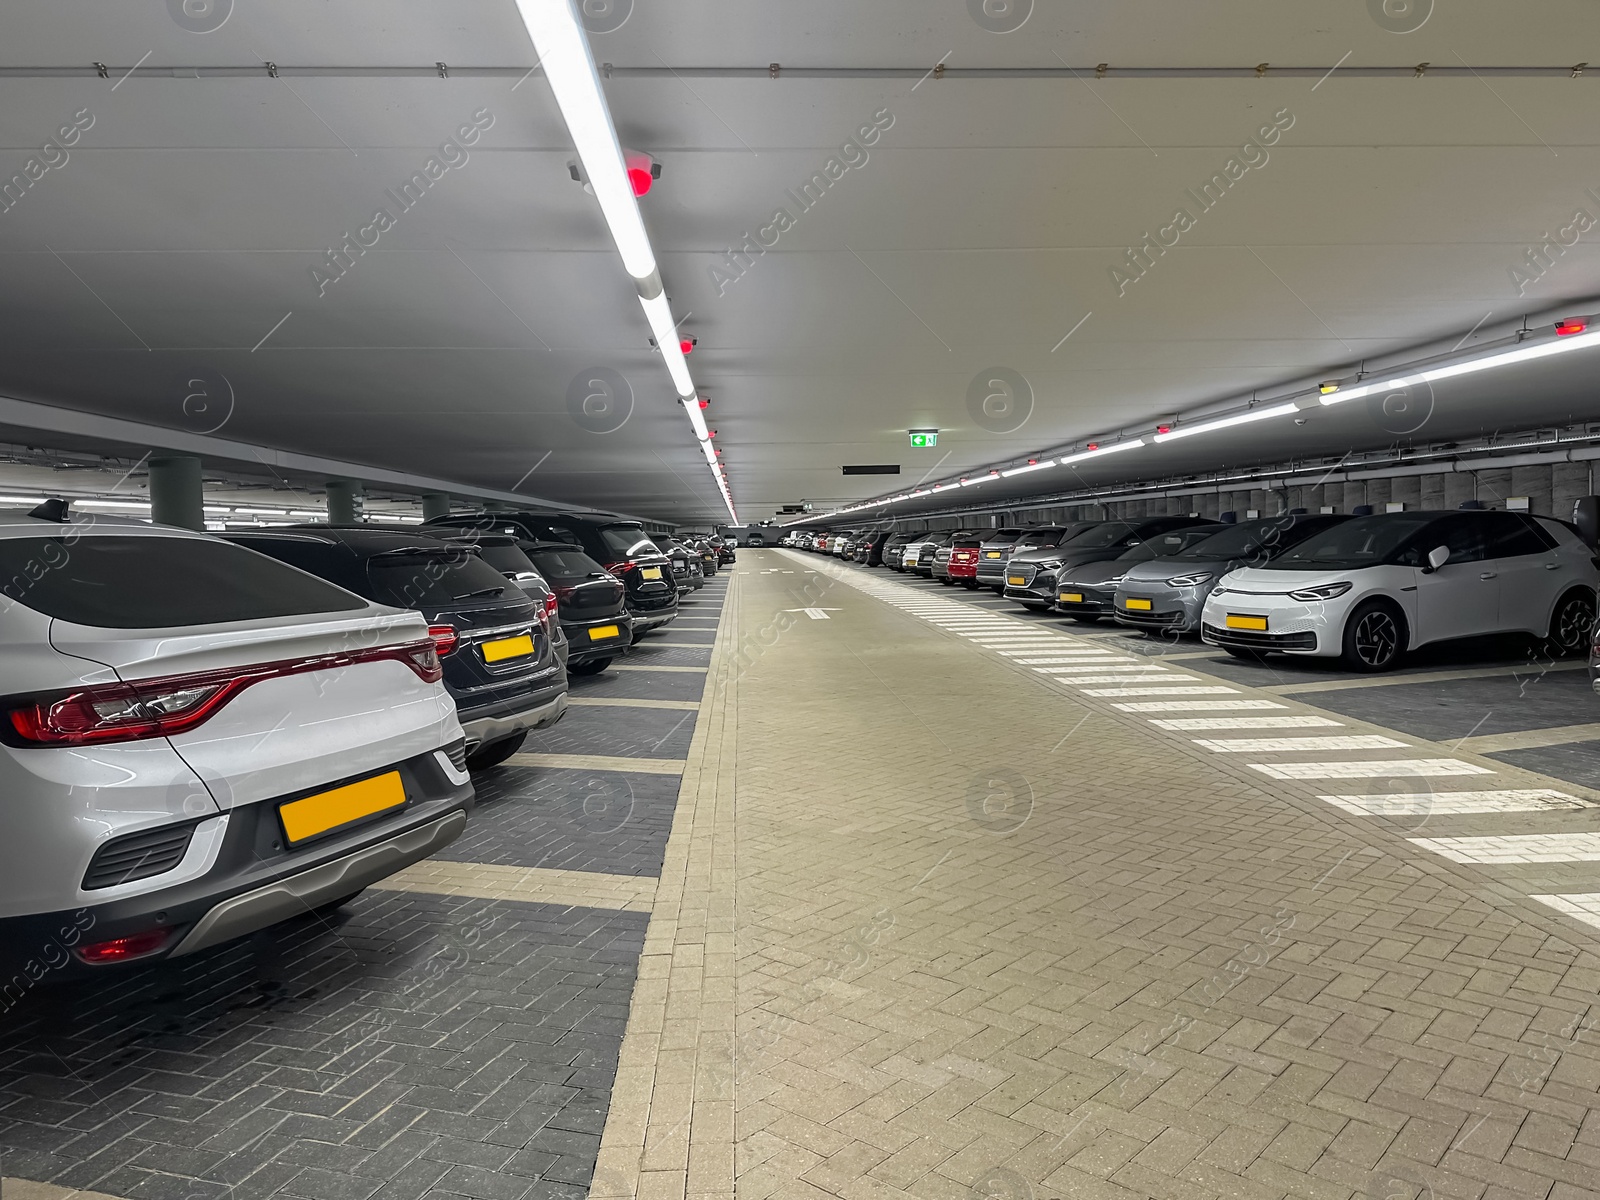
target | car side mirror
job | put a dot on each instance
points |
(1437, 557)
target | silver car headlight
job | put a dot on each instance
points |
(1324, 591)
(1194, 580)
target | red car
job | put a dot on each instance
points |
(964, 564)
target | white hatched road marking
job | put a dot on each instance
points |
(1417, 804)
(1105, 656)
(1516, 848)
(1131, 676)
(1369, 770)
(1198, 723)
(1159, 691)
(1197, 705)
(1581, 906)
(1136, 668)
(1357, 741)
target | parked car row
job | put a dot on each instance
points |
(1364, 589)
(204, 735)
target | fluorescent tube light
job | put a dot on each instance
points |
(1101, 452)
(659, 313)
(1244, 418)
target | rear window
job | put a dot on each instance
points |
(1098, 537)
(627, 540)
(414, 579)
(563, 565)
(158, 582)
(508, 560)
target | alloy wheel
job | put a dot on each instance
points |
(1572, 625)
(1377, 638)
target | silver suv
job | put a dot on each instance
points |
(197, 741)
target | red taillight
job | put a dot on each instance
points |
(147, 708)
(118, 949)
(552, 604)
(444, 638)
(617, 568)
(1571, 325)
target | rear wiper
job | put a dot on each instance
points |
(491, 591)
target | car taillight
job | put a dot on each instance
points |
(444, 638)
(147, 708)
(119, 949)
(617, 568)
(552, 604)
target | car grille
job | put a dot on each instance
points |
(1153, 620)
(1254, 640)
(1025, 573)
(456, 752)
(138, 856)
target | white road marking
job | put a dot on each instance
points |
(1160, 691)
(1417, 804)
(1357, 741)
(1369, 770)
(1197, 705)
(1516, 848)
(1198, 723)
(1581, 906)
(1113, 668)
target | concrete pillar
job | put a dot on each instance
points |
(1433, 492)
(1459, 486)
(342, 497)
(176, 497)
(1378, 493)
(1355, 493)
(435, 504)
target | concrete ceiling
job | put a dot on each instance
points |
(982, 227)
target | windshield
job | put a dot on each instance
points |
(1250, 537)
(1363, 542)
(625, 541)
(1169, 545)
(1099, 536)
(1038, 539)
(1002, 537)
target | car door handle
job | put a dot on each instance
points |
(1552, 566)
(1490, 575)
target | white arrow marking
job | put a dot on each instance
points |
(816, 614)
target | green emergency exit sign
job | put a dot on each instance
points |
(921, 439)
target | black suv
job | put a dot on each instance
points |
(621, 547)
(592, 609)
(500, 662)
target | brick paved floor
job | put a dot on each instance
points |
(983, 932)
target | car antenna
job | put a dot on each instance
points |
(53, 509)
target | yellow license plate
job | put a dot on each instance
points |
(600, 632)
(991, 554)
(303, 819)
(505, 648)
(1235, 621)
(1140, 605)
(1016, 580)
(649, 572)
(1072, 597)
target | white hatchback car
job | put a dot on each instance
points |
(197, 741)
(1370, 589)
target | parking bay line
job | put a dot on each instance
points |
(1529, 739)
(616, 666)
(599, 762)
(1419, 804)
(1396, 768)
(618, 702)
(539, 885)
(1580, 906)
(1359, 741)
(1158, 691)
(1198, 705)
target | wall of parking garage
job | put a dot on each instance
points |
(1546, 488)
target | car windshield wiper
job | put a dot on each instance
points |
(489, 591)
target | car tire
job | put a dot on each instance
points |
(593, 667)
(492, 754)
(970, 585)
(1085, 618)
(1571, 625)
(1374, 636)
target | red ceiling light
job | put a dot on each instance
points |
(1094, 445)
(643, 171)
(1163, 428)
(1033, 462)
(711, 433)
(1571, 326)
(688, 344)
(704, 402)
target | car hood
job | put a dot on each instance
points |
(1091, 572)
(1159, 570)
(1048, 554)
(1258, 579)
